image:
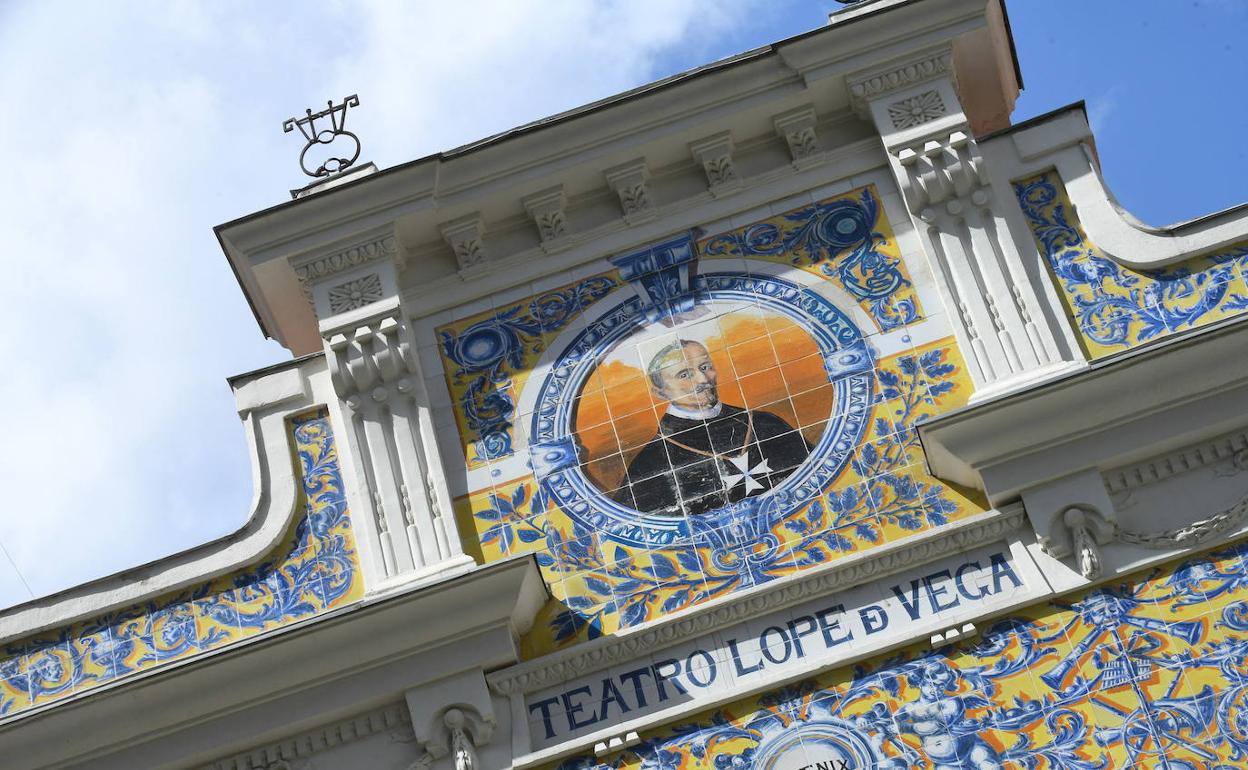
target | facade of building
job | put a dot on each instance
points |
(797, 412)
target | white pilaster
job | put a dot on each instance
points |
(995, 304)
(394, 474)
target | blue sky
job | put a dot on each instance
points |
(132, 128)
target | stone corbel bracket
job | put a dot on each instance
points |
(453, 716)
(797, 128)
(714, 154)
(1087, 464)
(549, 211)
(630, 181)
(466, 237)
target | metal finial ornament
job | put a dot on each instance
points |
(337, 115)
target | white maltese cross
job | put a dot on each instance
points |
(745, 472)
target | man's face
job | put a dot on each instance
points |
(689, 380)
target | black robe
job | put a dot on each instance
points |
(686, 467)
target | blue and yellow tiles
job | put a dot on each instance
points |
(314, 569)
(706, 414)
(1114, 308)
(1149, 673)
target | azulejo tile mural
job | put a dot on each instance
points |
(1149, 673)
(1114, 308)
(315, 569)
(708, 413)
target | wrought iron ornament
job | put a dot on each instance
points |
(337, 115)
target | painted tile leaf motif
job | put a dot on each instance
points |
(844, 239)
(489, 354)
(1149, 673)
(1114, 308)
(314, 569)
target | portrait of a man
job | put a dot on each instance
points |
(705, 453)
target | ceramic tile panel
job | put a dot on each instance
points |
(1114, 308)
(1148, 673)
(315, 569)
(709, 414)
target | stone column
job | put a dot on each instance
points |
(1001, 312)
(376, 376)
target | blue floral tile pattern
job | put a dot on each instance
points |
(315, 569)
(1149, 673)
(1112, 307)
(584, 442)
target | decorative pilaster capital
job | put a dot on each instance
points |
(630, 181)
(868, 85)
(714, 153)
(465, 236)
(797, 127)
(946, 170)
(548, 210)
(371, 359)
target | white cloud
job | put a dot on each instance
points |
(130, 130)
(1102, 108)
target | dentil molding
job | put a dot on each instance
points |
(280, 754)
(1233, 446)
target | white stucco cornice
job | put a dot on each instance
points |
(265, 401)
(654, 125)
(1186, 389)
(1063, 140)
(291, 678)
(1080, 451)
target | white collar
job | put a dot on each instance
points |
(709, 413)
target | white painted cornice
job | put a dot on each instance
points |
(1232, 446)
(387, 719)
(287, 681)
(265, 402)
(1171, 417)
(1063, 140)
(853, 570)
(506, 272)
(1184, 390)
(656, 122)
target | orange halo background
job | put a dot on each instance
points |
(764, 362)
